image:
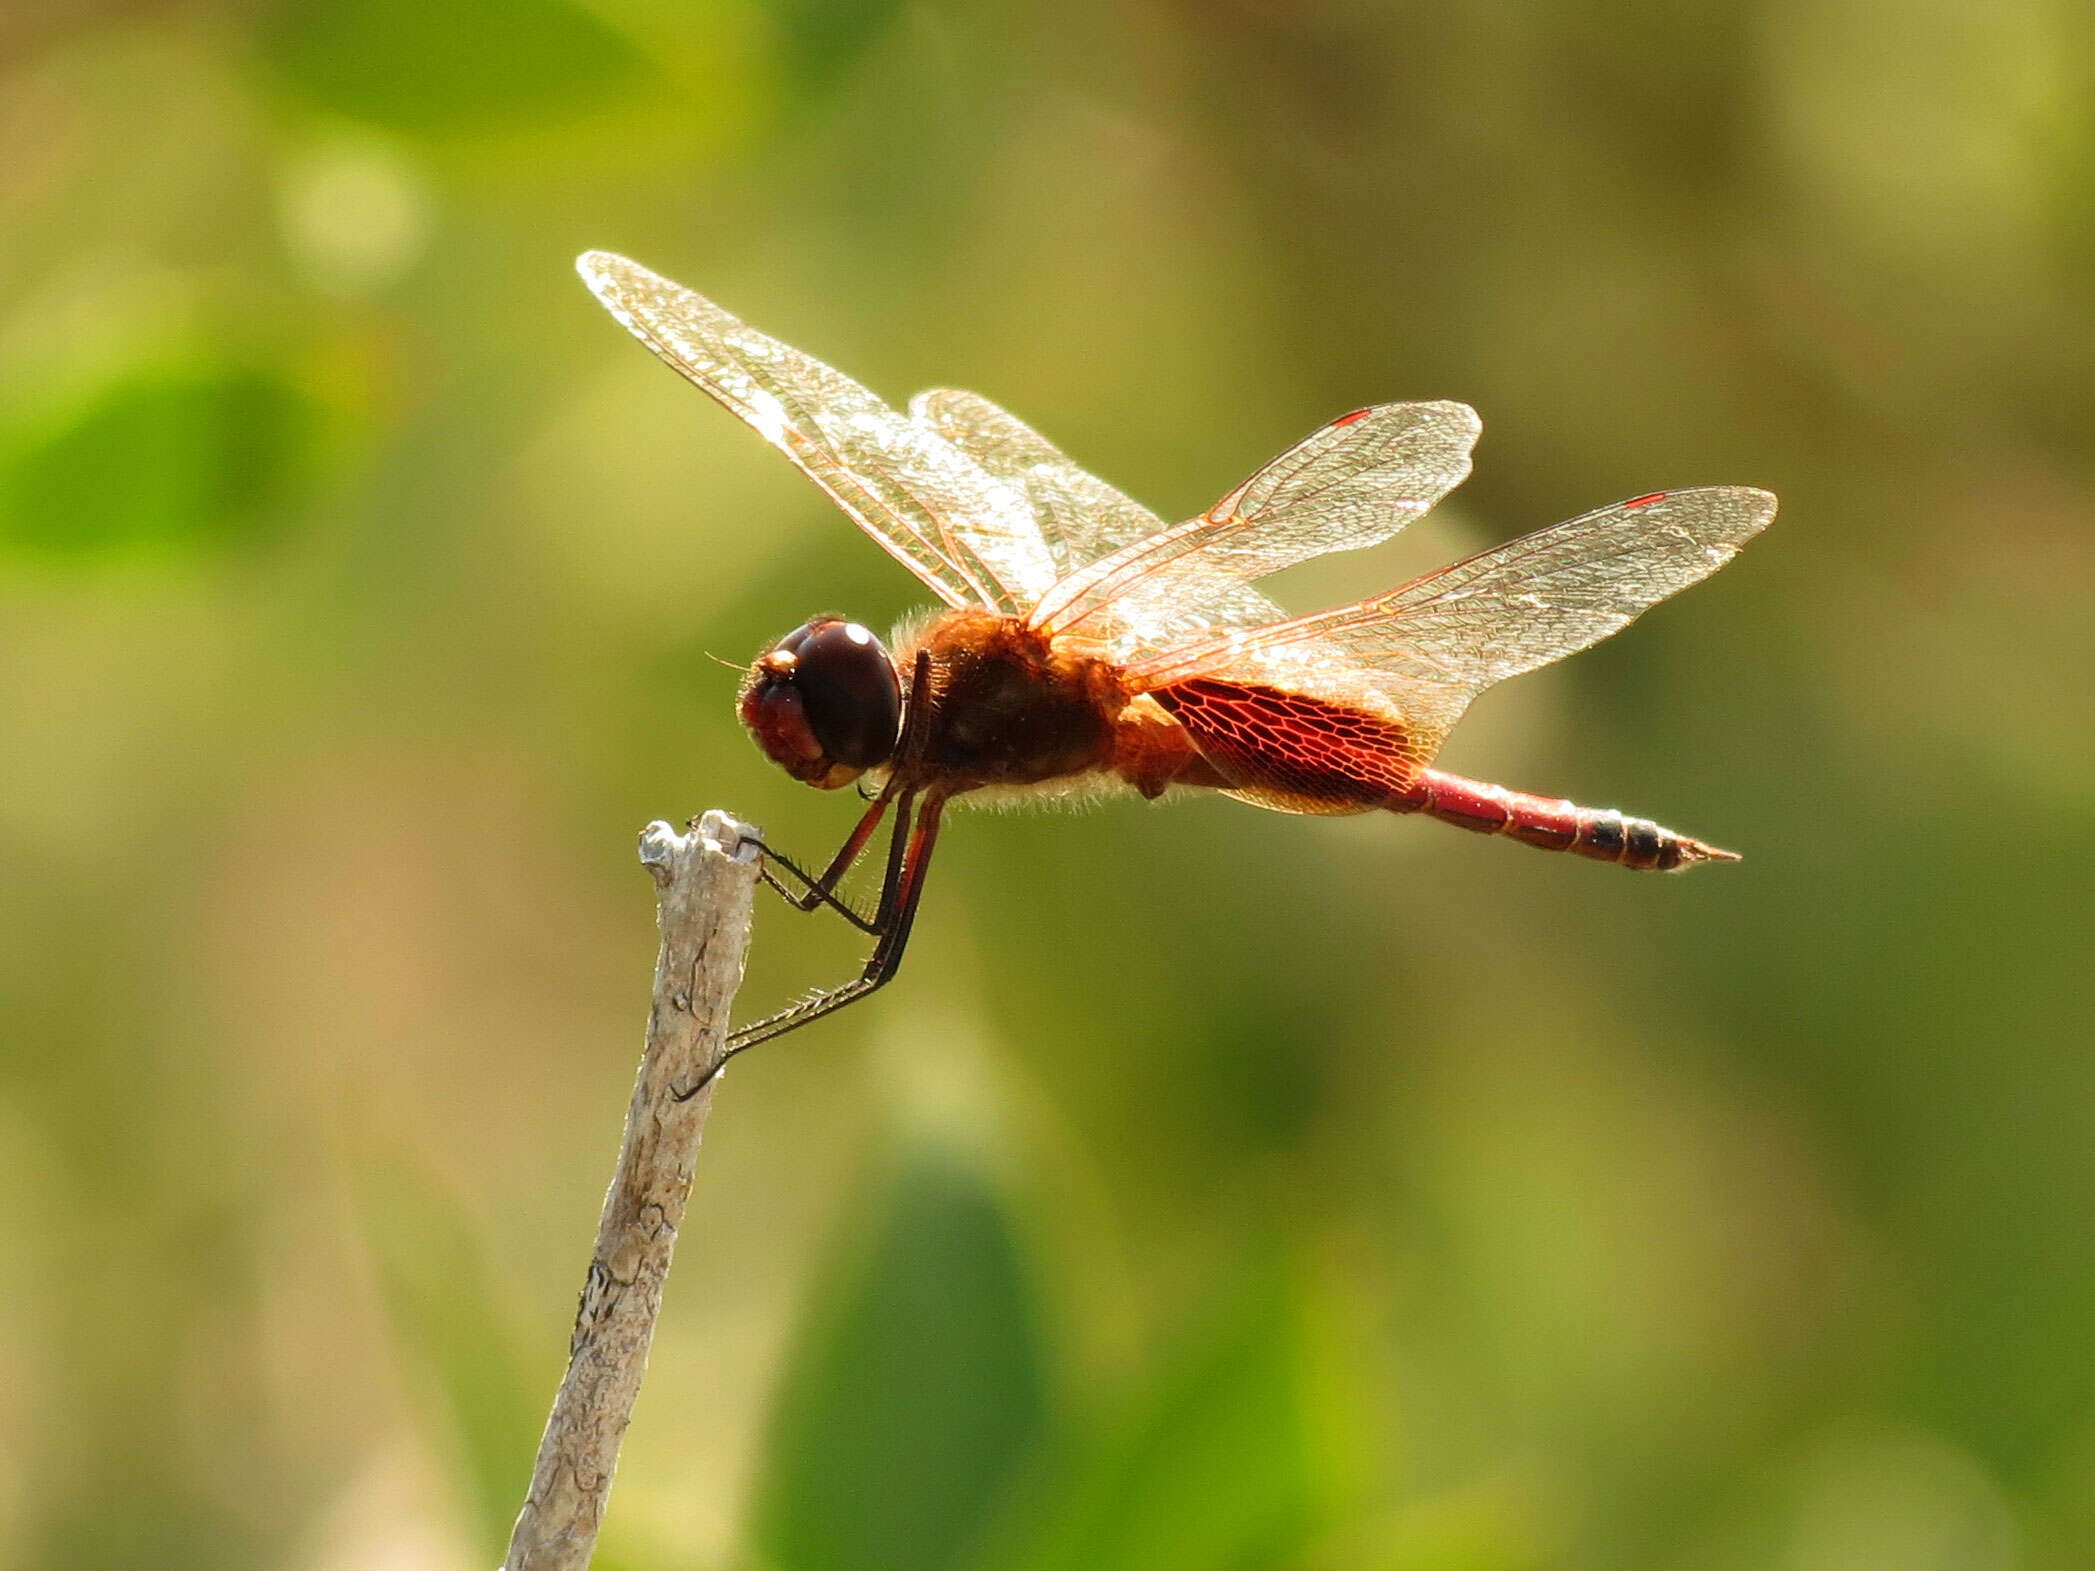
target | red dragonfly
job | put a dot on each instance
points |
(1086, 641)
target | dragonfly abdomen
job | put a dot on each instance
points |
(1553, 824)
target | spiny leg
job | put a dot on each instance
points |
(908, 858)
(822, 891)
(909, 855)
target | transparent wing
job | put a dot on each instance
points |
(1416, 656)
(1296, 752)
(1081, 518)
(1354, 483)
(968, 535)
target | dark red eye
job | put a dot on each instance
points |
(849, 687)
(825, 702)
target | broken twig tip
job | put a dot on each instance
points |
(727, 834)
(658, 849)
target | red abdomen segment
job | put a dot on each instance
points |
(1304, 754)
(1552, 824)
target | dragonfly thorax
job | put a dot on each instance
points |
(824, 703)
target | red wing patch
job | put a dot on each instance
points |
(1291, 751)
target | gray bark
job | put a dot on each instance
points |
(706, 880)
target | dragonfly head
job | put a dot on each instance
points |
(824, 703)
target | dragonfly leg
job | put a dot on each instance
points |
(822, 891)
(909, 855)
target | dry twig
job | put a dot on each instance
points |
(706, 880)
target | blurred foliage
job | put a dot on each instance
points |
(439, 1296)
(1214, 1189)
(167, 459)
(1231, 1460)
(430, 69)
(914, 1396)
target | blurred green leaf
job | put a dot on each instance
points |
(820, 40)
(432, 1267)
(916, 1391)
(197, 457)
(432, 69)
(1234, 1460)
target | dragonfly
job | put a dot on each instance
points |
(1085, 642)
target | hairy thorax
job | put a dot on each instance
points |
(1012, 708)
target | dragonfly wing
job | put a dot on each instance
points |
(1081, 517)
(1415, 657)
(1559, 590)
(1297, 751)
(966, 534)
(1354, 483)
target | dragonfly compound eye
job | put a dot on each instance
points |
(825, 704)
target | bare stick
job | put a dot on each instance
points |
(706, 879)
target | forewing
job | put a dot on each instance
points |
(968, 535)
(1419, 654)
(1354, 483)
(1081, 518)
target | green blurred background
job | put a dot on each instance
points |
(1216, 1189)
